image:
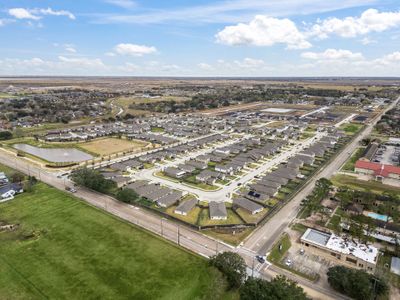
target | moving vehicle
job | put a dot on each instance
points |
(70, 189)
(260, 258)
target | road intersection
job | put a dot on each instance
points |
(260, 241)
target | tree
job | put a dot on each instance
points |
(17, 177)
(127, 196)
(5, 135)
(93, 180)
(232, 265)
(280, 288)
(355, 283)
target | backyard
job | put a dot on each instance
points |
(63, 248)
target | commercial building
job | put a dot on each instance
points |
(344, 251)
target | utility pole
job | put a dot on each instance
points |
(252, 268)
(162, 231)
(216, 247)
(179, 237)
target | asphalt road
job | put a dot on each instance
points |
(260, 241)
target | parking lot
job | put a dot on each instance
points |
(388, 155)
(307, 263)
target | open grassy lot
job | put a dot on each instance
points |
(349, 165)
(354, 183)
(230, 238)
(66, 249)
(276, 253)
(109, 146)
(351, 128)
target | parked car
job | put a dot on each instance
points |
(288, 262)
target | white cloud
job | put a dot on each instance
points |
(333, 54)
(389, 59)
(370, 20)
(205, 67)
(134, 50)
(122, 3)
(367, 41)
(49, 11)
(22, 13)
(82, 62)
(70, 49)
(110, 54)
(250, 63)
(264, 31)
(231, 11)
(37, 13)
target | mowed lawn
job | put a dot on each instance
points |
(109, 146)
(66, 249)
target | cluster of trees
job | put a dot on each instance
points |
(94, 180)
(233, 267)
(388, 201)
(56, 105)
(225, 97)
(389, 120)
(5, 135)
(356, 284)
(312, 203)
(127, 196)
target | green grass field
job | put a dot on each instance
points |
(354, 183)
(66, 249)
(349, 165)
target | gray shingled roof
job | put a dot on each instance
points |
(247, 204)
(186, 206)
(217, 209)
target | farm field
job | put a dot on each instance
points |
(66, 249)
(111, 145)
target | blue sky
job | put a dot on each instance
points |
(200, 38)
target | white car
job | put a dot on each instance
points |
(288, 262)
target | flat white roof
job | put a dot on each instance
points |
(338, 244)
(277, 110)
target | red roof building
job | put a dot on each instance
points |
(378, 170)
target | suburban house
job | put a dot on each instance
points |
(226, 169)
(174, 172)
(185, 207)
(250, 206)
(218, 211)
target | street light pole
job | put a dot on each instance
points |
(162, 231)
